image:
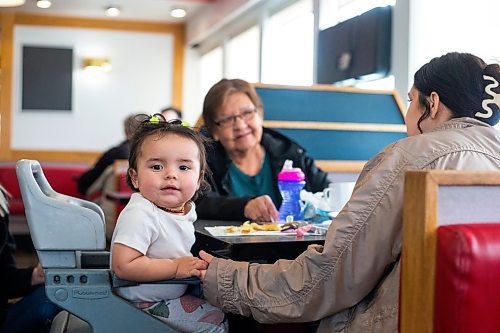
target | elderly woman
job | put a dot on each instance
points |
(246, 158)
(351, 283)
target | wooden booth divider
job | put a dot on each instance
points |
(433, 199)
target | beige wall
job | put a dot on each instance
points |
(8, 23)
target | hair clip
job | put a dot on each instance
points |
(178, 122)
(154, 119)
(495, 98)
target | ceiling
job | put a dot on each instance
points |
(141, 10)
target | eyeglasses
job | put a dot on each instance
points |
(247, 114)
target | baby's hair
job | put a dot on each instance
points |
(157, 126)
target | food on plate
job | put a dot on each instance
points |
(231, 229)
(248, 227)
(265, 227)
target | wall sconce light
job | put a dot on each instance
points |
(97, 64)
(11, 3)
(178, 12)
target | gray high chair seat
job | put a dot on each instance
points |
(69, 237)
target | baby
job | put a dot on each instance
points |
(155, 232)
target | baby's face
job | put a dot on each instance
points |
(168, 170)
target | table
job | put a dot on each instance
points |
(262, 249)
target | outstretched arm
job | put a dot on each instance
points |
(132, 265)
(362, 246)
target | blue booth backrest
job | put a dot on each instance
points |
(333, 123)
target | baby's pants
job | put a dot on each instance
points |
(187, 314)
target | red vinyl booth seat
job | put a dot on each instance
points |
(467, 291)
(62, 178)
(124, 191)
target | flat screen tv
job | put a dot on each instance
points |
(355, 48)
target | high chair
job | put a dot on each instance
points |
(69, 237)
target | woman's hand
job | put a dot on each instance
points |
(37, 276)
(208, 259)
(189, 266)
(261, 209)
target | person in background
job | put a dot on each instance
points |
(351, 283)
(119, 152)
(246, 158)
(170, 113)
(34, 312)
(100, 184)
(155, 232)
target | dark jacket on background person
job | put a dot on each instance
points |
(119, 152)
(14, 282)
(219, 203)
(33, 312)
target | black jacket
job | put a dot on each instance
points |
(14, 282)
(219, 204)
(119, 152)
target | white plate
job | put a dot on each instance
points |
(218, 231)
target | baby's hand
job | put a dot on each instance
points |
(189, 266)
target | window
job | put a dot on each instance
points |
(387, 83)
(288, 48)
(242, 55)
(336, 11)
(333, 12)
(211, 69)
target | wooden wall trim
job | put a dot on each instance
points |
(178, 70)
(400, 103)
(9, 20)
(455, 177)
(80, 22)
(316, 125)
(6, 64)
(86, 157)
(327, 87)
(340, 166)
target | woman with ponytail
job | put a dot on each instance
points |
(347, 284)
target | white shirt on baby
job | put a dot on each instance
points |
(157, 234)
